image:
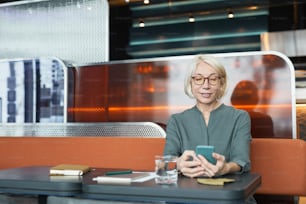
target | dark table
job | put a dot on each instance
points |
(186, 190)
(36, 181)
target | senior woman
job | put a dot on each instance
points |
(209, 122)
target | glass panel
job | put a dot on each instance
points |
(33, 90)
(153, 89)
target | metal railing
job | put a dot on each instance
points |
(128, 129)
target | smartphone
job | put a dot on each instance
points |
(206, 151)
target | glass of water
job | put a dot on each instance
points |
(165, 169)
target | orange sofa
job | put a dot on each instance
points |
(281, 162)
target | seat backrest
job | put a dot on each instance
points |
(282, 165)
(136, 153)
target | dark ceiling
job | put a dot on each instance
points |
(167, 31)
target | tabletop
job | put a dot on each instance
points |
(185, 191)
(35, 180)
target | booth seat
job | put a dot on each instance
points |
(282, 165)
(136, 153)
(280, 162)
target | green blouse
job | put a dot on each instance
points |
(229, 130)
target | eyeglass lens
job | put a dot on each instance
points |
(199, 80)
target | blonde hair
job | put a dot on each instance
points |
(215, 64)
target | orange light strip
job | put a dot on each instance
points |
(86, 110)
(143, 108)
(151, 108)
(263, 106)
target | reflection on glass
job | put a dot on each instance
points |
(245, 96)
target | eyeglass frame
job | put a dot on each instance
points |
(204, 79)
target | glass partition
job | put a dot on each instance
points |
(33, 90)
(261, 83)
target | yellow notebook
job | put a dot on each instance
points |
(215, 181)
(69, 170)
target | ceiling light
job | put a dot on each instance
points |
(230, 14)
(146, 1)
(191, 19)
(141, 24)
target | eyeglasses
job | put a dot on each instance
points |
(200, 80)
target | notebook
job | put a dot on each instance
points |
(125, 178)
(69, 170)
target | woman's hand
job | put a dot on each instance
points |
(222, 167)
(189, 164)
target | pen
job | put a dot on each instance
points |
(118, 172)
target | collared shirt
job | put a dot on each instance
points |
(229, 130)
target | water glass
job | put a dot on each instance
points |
(165, 169)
